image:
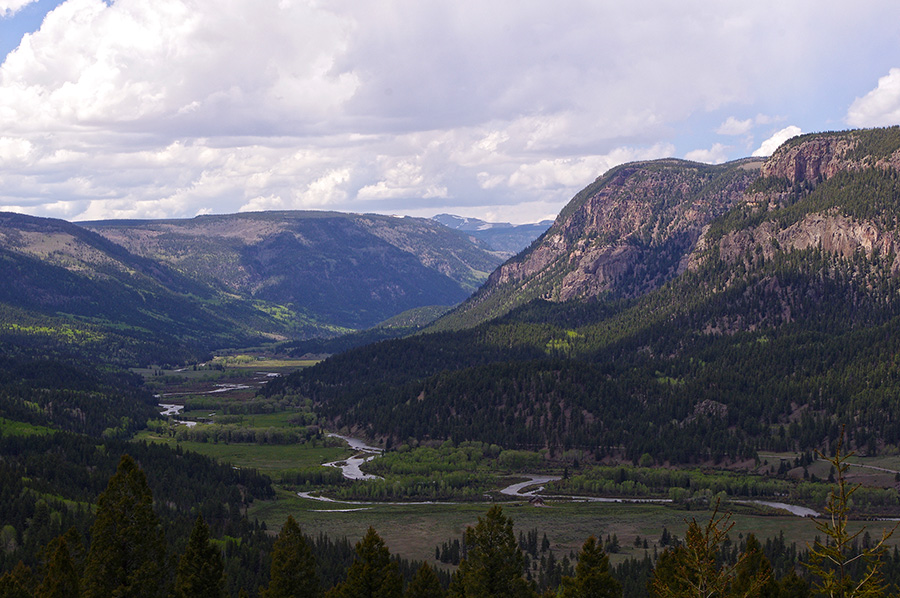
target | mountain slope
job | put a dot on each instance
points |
(623, 235)
(345, 270)
(782, 325)
(68, 286)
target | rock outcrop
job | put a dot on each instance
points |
(627, 233)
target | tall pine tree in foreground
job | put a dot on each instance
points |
(200, 570)
(60, 575)
(373, 574)
(293, 571)
(494, 564)
(592, 577)
(125, 559)
(425, 584)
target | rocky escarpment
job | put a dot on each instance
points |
(817, 157)
(627, 233)
(836, 192)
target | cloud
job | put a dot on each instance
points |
(881, 106)
(717, 154)
(771, 144)
(574, 173)
(10, 7)
(733, 126)
(169, 108)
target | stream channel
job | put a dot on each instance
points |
(351, 468)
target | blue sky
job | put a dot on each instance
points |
(500, 110)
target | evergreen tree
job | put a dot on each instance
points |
(293, 571)
(494, 564)
(17, 583)
(200, 571)
(61, 576)
(126, 554)
(592, 577)
(793, 586)
(831, 562)
(425, 584)
(695, 569)
(753, 567)
(373, 574)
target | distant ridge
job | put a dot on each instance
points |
(508, 239)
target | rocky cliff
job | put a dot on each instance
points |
(834, 192)
(627, 233)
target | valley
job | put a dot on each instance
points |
(323, 498)
(685, 342)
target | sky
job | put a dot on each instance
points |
(495, 109)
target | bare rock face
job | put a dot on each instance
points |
(809, 161)
(818, 157)
(831, 232)
(627, 233)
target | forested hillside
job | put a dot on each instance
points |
(781, 326)
(342, 270)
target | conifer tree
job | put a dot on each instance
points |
(293, 571)
(200, 571)
(373, 574)
(754, 566)
(592, 577)
(831, 562)
(694, 569)
(126, 554)
(425, 584)
(60, 575)
(494, 564)
(17, 583)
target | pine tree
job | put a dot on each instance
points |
(694, 569)
(592, 577)
(494, 563)
(200, 571)
(126, 554)
(60, 576)
(753, 567)
(830, 562)
(425, 584)
(293, 571)
(17, 583)
(373, 574)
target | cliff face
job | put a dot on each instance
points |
(627, 233)
(835, 192)
(817, 157)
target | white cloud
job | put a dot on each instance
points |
(10, 7)
(733, 126)
(574, 173)
(717, 154)
(145, 108)
(881, 106)
(771, 144)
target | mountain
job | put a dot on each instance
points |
(133, 291)
(503, 237)
(690, 313)
(627, 233)
(69, 289)
(343, 270)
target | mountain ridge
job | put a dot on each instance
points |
(787, 340)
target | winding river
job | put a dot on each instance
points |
(351, 470)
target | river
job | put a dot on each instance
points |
(351, 470)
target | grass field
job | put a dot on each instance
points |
(14, 428)
(271, 459)
(413, 531)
